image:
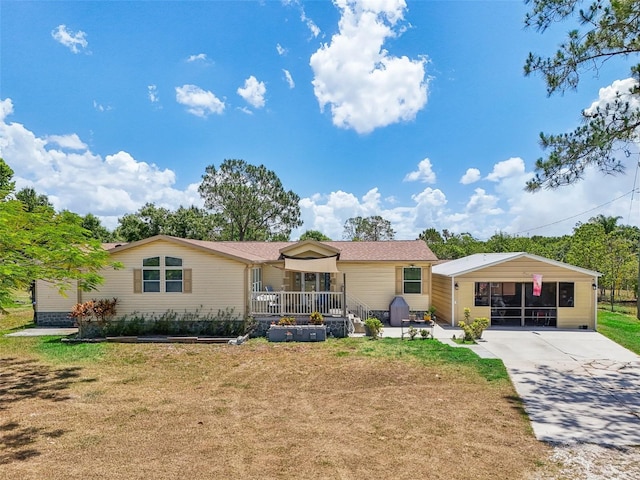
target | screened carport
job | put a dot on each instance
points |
(516, 304)
(515, 289)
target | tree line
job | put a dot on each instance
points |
(244, 202)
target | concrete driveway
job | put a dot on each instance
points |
(577, 386)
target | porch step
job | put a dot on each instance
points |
(358, 324)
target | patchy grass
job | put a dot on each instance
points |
(16, 319)
(429, 352)
(350, 409)
(621, 328)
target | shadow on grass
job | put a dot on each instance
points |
(25, 379)
(18, 441)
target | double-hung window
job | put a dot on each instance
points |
(151, 274)
(412, 280)
(173, 274)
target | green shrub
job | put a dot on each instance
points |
(224, 323)
(287, 321)
(473, 331)
(316, 318)
(424, 333)
(412, 332)
(373, 327)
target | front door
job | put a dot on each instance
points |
(309, 282)
(313, 281)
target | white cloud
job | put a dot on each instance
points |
(280, 49)
(482, 203)
(619, 90)
(289, 78)
(430, 197)
(200, 57)
(199, 102)
(424, 174)
(152, 92)
(6, 108)
(63, 168)
(76, 42)
(472, 175)
(253, 92)
(313, 28)
(101, 108)
(508, 168)
(363, 84)
(70, 142)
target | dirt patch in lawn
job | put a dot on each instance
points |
(262, 411)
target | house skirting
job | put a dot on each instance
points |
(54, 319)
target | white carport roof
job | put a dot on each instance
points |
(479, 261)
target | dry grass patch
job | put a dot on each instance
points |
(260, 411)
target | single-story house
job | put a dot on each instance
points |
(515, 290)
(256, 279)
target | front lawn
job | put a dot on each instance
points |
(345, 408)
(621, 328)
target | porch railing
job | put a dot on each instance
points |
(357, 307)
(296, 303)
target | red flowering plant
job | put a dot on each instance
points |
(93, 312)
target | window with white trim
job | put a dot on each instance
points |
(162, 274)
(151, 274)
(173, 274)
(412, 280)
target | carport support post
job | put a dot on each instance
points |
(453, 301)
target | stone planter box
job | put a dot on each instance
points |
(297, 333)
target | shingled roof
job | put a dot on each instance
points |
(259, 252)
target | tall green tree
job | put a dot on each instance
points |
(146, 222)
(314, 235)
(7, 185)
(373, 229)
(32, 200)
(431, 235)
(192, 222)
(607, 30)
(185, 222)
(93, 224)
(44, 245)
(609, 223)
(587, 246)
(249, 201)
(449, 246)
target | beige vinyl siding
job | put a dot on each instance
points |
(465, 298)
(272, 276)
(49, 298)
(583, 311)
(441, 297)
(216, 282)
(375, 285)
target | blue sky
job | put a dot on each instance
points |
(418, 112)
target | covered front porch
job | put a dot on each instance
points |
(292, 304)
